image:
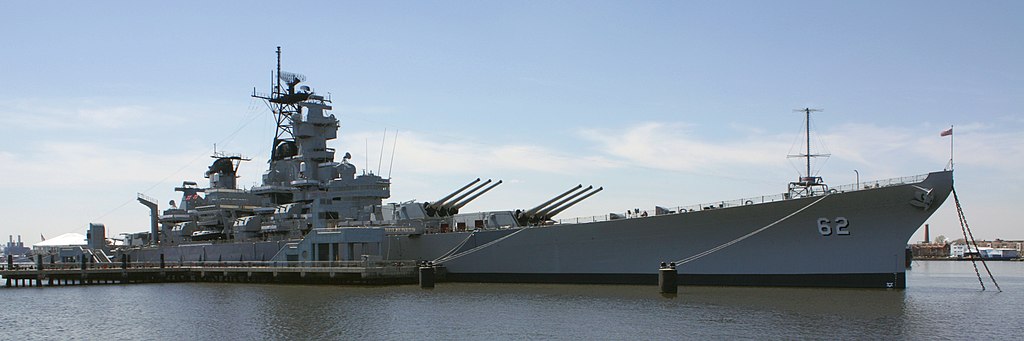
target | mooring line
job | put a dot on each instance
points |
(478, 248)
(748, 235)
(459, 246)
(966, 229)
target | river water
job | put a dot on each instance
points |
(943, 301)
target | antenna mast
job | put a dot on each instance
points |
(807, 135)
(805, 185)
(277, 88)
(284, 104)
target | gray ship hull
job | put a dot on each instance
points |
(793, 252)
(869, 251)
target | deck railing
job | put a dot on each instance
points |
(865, 185)
(218, 264)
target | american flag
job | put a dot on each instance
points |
(946, 132)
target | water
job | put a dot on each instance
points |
(943, 302)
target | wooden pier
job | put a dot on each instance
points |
(345, 272)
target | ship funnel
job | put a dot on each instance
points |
(455, 207)
(551, 214)
(432, 208)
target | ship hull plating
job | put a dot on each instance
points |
(867, 252)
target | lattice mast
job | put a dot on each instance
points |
(284, 102)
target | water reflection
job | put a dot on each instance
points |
(943, 297)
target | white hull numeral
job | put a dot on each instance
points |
(840, 228)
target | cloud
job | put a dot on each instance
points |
(887, 150)
(83, 114)
(675, 147)
(421, 154)
(55, 165)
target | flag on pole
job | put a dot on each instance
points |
(946, 132)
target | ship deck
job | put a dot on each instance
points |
(860, 186)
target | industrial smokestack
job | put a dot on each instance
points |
(927, 238)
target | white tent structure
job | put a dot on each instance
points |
(53, 245)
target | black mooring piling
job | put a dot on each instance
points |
(427, 275)
(909, 257)
(667, 278)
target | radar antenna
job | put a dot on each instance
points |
(285, 101)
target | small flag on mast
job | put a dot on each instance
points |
(946, 132)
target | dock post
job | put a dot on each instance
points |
(161, 261)
(427, 275)
(908, 258)
(124, 261)
(10, 262)
(667, 278)
(39, 270)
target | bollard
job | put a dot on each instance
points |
(161, 261)
(427, 275)
(667, 278)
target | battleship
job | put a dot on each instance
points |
(312, 208)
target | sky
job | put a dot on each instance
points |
(664, 103)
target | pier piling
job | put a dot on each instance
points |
(667, 278)
(426, 275)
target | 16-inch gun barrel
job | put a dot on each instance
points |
(433, 208)
(544, 212)
(555, 212)
(455, 207)
(443, 210)
(534, 210)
